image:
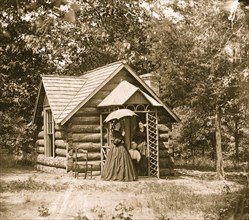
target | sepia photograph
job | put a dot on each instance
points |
(124, 110)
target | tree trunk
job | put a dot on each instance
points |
(203, 151)
(236, 142)
(193, 156)
(219, 162)
(236, 149)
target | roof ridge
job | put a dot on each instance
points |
(107, 65)
(62, 76)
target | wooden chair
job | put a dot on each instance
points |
(81, 163)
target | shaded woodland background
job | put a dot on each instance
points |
(198, 52)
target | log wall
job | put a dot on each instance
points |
(50, 164)
(48, 169)
(84, 130)
(164, 133)
(85, 124)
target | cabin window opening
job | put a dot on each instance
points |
(49, 134)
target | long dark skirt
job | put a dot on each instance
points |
(118, 165)
(143, 166)
(135, 165)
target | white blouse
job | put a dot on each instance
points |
(135, 154)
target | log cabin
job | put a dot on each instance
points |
(71, 110)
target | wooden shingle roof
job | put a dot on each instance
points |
(93, 80)
(60, 91)
(67, 94)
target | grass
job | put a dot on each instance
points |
(206, 164)
(171, 206)
(168, 201)
(11, 160)
(192, 193)
(43, 211)
(7, 160)
(165, 199)
(29, 184)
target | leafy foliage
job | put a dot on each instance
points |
(199, 56)
(59, 37)
(200, 59)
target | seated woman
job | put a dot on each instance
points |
(118, 164)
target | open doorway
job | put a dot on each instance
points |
(130, 126)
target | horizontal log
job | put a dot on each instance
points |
(58, 127)
(164, 137)
(41, 134)
(40, 150)
(40, 142)
(94, 102)
(87, 137)
(104, 92)
(85, 128)
(60, 152)
(89, 111)
(95, 165)
(162, 128)
(49, 169)
(96, 173)
(60, 135)
(91, 147)
(85, 120)
(91, 156)
(61, 144)
(58, 162)
(116, 79)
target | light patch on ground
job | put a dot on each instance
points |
(146, 198)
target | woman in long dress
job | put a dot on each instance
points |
(118, 164)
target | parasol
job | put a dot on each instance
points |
(119, 114)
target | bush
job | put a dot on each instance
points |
(206, 164)
(16, 141)
(16, 136)
(6, 160)
(30, 184)
(200, 163)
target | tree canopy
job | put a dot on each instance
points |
(198, 51)
(61, 37)
(201, 60)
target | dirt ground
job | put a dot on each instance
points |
(70, 198)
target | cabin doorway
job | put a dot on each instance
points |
(150, 121)
(130, 125)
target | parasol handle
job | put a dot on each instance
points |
(122, 127)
